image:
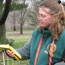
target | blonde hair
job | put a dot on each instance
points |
(58, 14)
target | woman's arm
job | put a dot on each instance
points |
(25, 51)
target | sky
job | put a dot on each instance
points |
(3, 1)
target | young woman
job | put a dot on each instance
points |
(47, 43)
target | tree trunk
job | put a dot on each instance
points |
(14, 21)
(2, 34)
(2, 27)
(3, 16)
(21, 28)
(1, 8)
(21, 23)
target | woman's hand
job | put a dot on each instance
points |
(10, 53)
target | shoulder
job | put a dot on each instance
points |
(63, 36)
(35, 30)
(63, 33)
(61, 39)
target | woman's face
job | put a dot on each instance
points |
(44, 18)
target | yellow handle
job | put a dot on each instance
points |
(17, 58)
(7, 47)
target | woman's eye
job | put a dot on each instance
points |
(42, 16)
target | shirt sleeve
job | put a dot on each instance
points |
(25, 50)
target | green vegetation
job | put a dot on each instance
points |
(15, 6)
(19, 41)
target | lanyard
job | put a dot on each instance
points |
(38, 50)
(51, 53)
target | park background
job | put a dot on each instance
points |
(18, 19)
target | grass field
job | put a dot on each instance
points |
(19, 41)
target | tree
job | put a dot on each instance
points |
(14, 21)
(23, 11)
(3, 16)
(33, 12)
(22, 8)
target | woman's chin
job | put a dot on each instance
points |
(43, 26)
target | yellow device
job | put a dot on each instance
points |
(7, 47)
